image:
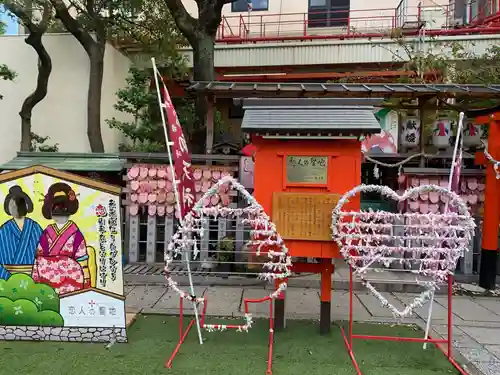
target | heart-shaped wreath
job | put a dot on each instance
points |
(264, 239)
(427, 245)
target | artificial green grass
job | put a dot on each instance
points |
(299, 350)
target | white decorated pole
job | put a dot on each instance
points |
(176, 192)
(453, 172)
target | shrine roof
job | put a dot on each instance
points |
(310, 116)
(292, 90)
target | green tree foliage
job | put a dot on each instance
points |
(24, 302)
(5, 73)
(38, 144)
(139, 101)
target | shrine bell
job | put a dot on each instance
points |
(307, 155)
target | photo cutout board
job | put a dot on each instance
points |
(61, 275)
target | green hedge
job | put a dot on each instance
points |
(24, 302)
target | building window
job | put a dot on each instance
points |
(328, 13)
(247, 5)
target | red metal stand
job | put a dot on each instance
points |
(350, 336)
(183, 333)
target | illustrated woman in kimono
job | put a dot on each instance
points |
(61, 257)
(19, 236)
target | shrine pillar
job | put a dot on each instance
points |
(491, 217)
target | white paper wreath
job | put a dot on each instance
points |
(264, 239)
(434, 241)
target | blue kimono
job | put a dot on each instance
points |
(18, 247)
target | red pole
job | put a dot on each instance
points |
(491, 218)
(450, 316)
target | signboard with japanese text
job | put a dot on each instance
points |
(60, 250)
(307, 169)
(304, 216)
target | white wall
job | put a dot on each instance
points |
(62, 115)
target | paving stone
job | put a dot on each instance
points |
(489, 336)
(493, 349)
(476, 354)
(223, 300)
(439, 312)
(491, 367)
(372, 304)
(171, 300)
(302, 301)
(144, 296)
(340, 307)
(492, 304)
(467, 309)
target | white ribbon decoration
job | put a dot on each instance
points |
(182, 241)
(433, 236)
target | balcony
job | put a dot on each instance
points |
(272, 44)
(436, 20)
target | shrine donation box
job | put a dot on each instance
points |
(308, 154)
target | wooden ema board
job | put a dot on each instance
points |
(300, 216)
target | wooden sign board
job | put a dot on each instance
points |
(301, 216)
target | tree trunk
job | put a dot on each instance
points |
(44, 71)
(96, 57)
(203, 58)
(203, 70)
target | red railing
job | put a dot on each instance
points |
(344, 24)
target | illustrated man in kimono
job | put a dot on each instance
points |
(19, 236)
(62, 260)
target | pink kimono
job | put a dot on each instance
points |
(58, 258)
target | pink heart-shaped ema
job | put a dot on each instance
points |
(160, 210)
(426, 243)
(152, 210)
(434, 197)
(162, 196)
(197, 186)
(133, 173)
(162, 184)
(162, 173)
(143, 173)
(207, 174)
(143, 198)
(216, 175)
(134, 185)
(197, 174)
(170, 209)
(134, 210)
(472, 184)
(170, 198)
(214, 199)
(152, 172)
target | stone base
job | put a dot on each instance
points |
(73, 334)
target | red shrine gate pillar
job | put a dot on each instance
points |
(491, 217)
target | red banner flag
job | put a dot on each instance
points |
(181, 156)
